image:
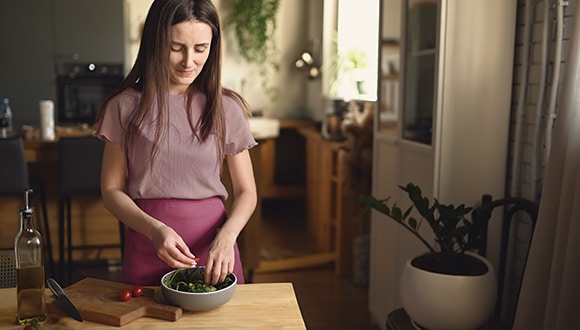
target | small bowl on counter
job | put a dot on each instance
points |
(185, 288)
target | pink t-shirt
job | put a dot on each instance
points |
(184, 168)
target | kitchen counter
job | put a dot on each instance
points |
(46, 151)
(253, 306)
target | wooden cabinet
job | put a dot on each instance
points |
(329, 208)
(450, 132)
(323, 184)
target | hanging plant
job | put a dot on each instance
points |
(254, 24)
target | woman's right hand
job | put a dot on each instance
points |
(172, 249)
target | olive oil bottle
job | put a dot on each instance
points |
(29, 268)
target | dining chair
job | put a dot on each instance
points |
(515, 210)
(80, 171)
(14, 180)
(7, 268)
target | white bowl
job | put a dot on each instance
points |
(198, 301)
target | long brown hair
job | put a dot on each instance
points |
(150, 74)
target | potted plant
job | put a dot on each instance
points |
(357, 63)
(349, 70)
(448, 287)
(254, 25)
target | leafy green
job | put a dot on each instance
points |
(192, 280)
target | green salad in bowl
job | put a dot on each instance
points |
(186, 288)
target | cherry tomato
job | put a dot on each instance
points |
(137, 291)
(125, 295)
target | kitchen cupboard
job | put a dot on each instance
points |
(37, 33)
(89, 31)
(449, 134)
(26, 56)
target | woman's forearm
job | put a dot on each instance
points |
(125, 209)
(240, 213)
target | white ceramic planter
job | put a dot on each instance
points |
(448, 302)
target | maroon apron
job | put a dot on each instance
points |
(196, 221)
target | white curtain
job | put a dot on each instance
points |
(550, 296)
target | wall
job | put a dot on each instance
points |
(135, 14)
(291, 37)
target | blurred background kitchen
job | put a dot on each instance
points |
(329, 112)
(318, 56)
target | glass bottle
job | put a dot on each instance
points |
(5, 118)
(29, 268)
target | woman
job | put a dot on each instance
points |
(167, 131)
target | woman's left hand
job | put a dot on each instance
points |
(220, 259)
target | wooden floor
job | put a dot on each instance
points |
(326, 301)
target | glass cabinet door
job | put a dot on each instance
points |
(389, 86)
(420, 51)
(389, 68)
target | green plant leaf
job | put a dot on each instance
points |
(413, 223)
(397, 213)
(454, 232)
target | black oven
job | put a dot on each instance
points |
(82, 88)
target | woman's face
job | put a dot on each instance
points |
(189, 50)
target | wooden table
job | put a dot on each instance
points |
(254, 306)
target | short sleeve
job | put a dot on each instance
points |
(117, 112)
(238, 134)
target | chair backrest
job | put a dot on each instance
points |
(515, 211)
(7, 268)
(80, 164)
(13, 167)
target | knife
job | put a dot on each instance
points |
(62, 301)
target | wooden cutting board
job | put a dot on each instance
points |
(98, 301)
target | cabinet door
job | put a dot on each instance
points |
(389, 57)
(89, 30)
(419, 58)
(26, 63)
